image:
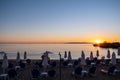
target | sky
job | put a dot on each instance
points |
(59, 20)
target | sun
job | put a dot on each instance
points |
(98, 41)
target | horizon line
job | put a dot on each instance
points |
(45, 42)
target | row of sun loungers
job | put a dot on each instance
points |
(78, 70)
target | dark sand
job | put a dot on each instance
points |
(66, 72)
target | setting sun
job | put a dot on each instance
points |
(98, 41)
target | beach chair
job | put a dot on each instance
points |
(88, 62)
(76, 62)
(65, 64)
(78, 73)
(118, 61)
(117, 70)
(70, 65)
(92, 71)
(51, 74)
(53, 64)
(35, 74)
(12, 73)
(22, 65)
(4, 77)
(28, 61)
(98, 62)
(110, 71)
(10, 66)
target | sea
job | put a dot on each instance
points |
(35, 51)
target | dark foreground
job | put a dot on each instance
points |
(65, 72)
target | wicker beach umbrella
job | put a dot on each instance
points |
(113, 60)
(45, 61)
(82, 54)
(25, 55)
(119, 51)
(2, 54)
(65, 55)
(83, 58)
(108, 54)
(69, 56)
(91, 55)
(49, 52)
(18, 57)
(5, 62)
(97, 53)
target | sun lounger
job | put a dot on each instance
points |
(35, 74)
(76, 62)
(4, 76)
(111, 70)
(84, 72)
(79, 72)
(44, 74)
(12, 73)
(92, 71)
(53, 64)
(117, 70)
(70, 64)
(51, 74)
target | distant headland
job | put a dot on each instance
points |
(114, 45)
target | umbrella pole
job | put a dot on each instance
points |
(60, 66)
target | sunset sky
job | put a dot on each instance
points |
(59, 20)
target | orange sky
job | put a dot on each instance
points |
(60, 21)
(57, 39)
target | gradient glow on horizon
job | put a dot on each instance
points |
(59, 20)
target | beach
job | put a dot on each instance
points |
(65, 72)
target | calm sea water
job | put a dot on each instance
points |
(34, 51)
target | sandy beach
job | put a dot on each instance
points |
(65, 72)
